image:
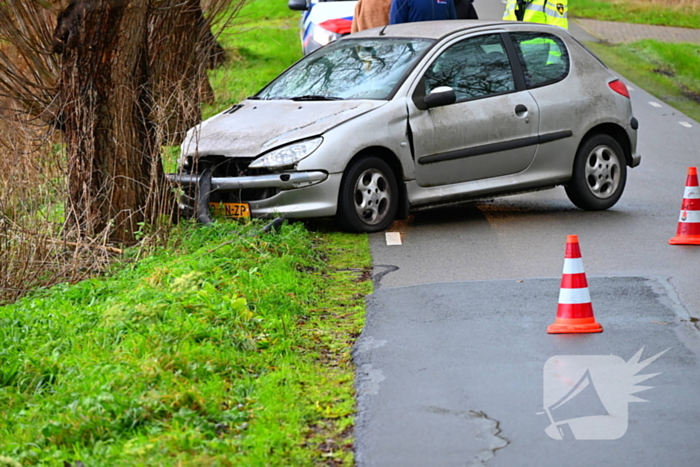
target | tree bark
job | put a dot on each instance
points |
(180, 47)
(114, 169)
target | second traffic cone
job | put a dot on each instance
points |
(575, 310)
(688, 232)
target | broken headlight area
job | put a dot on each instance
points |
(220, 179)
(226, 168)
(288, 155)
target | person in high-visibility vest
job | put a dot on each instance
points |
(555, 12)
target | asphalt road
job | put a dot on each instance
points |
(453, 362)
(524, 235)
(463, 373)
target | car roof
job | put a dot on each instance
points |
(440, 29)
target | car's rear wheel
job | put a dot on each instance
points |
(368, 198)
(599, 174)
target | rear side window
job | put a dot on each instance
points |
(476, 67)
(544, 57)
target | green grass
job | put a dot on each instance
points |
(687, 16)
(261, 43)
(671, 72)
(227, 350)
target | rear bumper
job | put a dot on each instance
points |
(632, 135)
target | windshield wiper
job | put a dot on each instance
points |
(312, 97)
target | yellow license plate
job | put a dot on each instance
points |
(234, 210)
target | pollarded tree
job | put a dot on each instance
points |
(181, 49)
(105, 98)
(115, 76)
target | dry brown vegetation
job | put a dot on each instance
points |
(33, 251)
(50, 130)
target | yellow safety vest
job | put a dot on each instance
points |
(555, 12)
(543, 43)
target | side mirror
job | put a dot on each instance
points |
(443, 95)
(298, 5)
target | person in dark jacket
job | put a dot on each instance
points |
(410, 11)
(465, 9)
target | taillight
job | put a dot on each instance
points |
(338, 26)
(619, 87)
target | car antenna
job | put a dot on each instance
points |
(381, 33)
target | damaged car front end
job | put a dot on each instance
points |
(271, 155)
(235, 187)
(394, 120)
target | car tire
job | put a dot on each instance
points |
(369, 196)
(599, 174)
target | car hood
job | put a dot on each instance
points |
(256, 126)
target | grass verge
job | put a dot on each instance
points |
(230, 349)
(225, 349)
(678, 13)
(263, 41)
(671, 72)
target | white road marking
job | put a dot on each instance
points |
(630, 88)
(393, 238)
(686, 124)
(654, 104)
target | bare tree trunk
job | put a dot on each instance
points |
(113, 158)
(181, 44)
(127, 76)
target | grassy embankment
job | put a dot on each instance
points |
(669, 71)
(224, 349)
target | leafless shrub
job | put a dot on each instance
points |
(90, 91)
(33, 252)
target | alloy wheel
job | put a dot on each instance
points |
(372, 196)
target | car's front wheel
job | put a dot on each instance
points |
(599, 174)
(368, 198)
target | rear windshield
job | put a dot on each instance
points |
(349, 69)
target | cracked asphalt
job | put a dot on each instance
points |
(452, 374)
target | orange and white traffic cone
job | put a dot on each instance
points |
(688, 232)
(575, 310)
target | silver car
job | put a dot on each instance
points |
(397, 119)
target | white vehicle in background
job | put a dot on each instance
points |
(322, 21)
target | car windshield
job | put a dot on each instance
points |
(351, 69)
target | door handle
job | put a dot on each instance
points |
(520, 110)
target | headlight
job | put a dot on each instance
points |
(287, 155)
(322, 36)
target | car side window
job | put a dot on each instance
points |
(544, 57)
(475, 67)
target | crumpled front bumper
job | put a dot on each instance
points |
(283, 181)
(301, 194)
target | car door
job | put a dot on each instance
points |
(546, 66)
(491, 130)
